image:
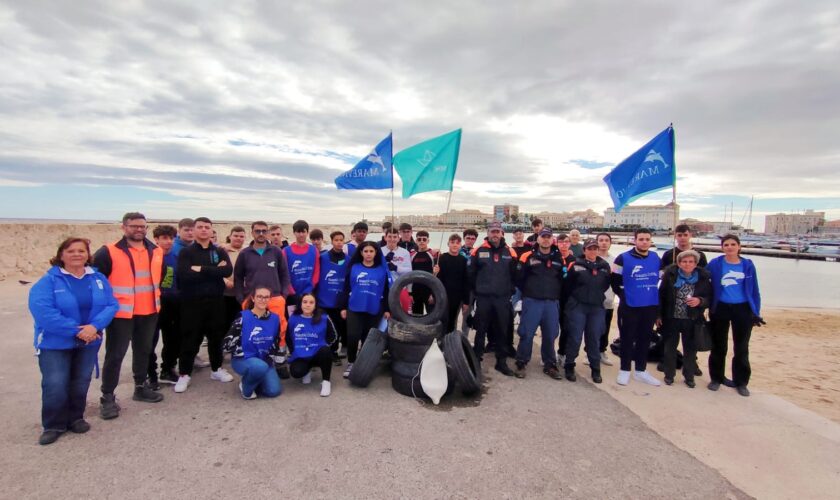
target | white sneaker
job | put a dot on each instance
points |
(221, 375)
(252, 396)
(623, 377)
(307, 379)
(347, 370)
(200, 363)
(182, 383)
(517, 307)
(646, 378)
(325, 388)
(605, 360)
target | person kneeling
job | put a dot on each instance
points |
(309, 338)
(253, 340)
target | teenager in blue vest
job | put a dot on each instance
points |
(253, 340)
(304, 264)
(330, 289)
(309, 338)
(736, 301)
(367, 297)
(71, 304)
(357, 236)
(635, 277)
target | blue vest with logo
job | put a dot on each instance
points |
(640, 277)
(331, 281)
(301, 268)
(367, 284)
(306, 337)
(258, 335)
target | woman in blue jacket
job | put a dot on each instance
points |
(310, 334)
(70, 304)
(253, 341)
(366, 289)
(736, 301)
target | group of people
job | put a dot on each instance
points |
(281, 309)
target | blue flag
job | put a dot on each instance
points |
(649, 169)
(429, 165)
(373, 171)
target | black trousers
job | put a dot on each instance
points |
(340, 325)
(233, 310)
(139, 331)
(168, 328)
(453, 310)
(200, 317)
(672, 329)
(419, 304)
(564, 330)
(492, 316)
(358, 326)
(604, 340)
(637, 325)
(322, 360)
(740, 317)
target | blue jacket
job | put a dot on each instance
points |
(56, 311)
(715, 267)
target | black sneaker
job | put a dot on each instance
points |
(49, 437)
(169, 377)
(519, 371)
(153, 382)
(743, 391)
(713, 386)
(570, 375)
(503, 368)
(108, 407)
(728, 382)
(552, 372)
(79, 426)
(596, 376)
(690, 384)
(660, 367)
(698, 372)
(669, 381)
(145, 394)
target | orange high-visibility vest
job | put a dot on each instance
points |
(129, 282)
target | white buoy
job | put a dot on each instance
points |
(433, 377)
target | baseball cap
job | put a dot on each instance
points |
(546, 231)
(494, 226)
(590, 242)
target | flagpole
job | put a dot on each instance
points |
(440, 245)
(674, 198)
(391, 133)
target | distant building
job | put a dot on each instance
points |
(699, 226)
(505, 212)
(465, 217)
(658, 217)
(415, 220)
(808, 222)
(586, 219)
(554, 219)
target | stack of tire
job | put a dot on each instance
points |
(410, 336)
(408, 339)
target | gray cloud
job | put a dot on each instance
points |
(751, 90)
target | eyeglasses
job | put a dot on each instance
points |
(262, 297)
(422, 239)
(260, 231)
(136, 227)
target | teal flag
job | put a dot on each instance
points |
(429, 165)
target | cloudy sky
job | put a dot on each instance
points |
(243, 110)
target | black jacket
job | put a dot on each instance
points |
(668, 294)
(588, 281)
(209, 281)
(539, 275)
(492, 270)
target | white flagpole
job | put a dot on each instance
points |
(674, 199)
(391, 133)
(440, 245)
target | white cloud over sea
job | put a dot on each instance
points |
(245, 109)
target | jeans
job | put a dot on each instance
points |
(740, 316)
(588, 320)
(257, 375)
(544, 314)
(65, 379)
(139, 331)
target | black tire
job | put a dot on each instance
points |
(407, 353)
(418, 278)
(412, 333)
(408, 386)
(461, 359)
(367, 362)
(404, 369)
